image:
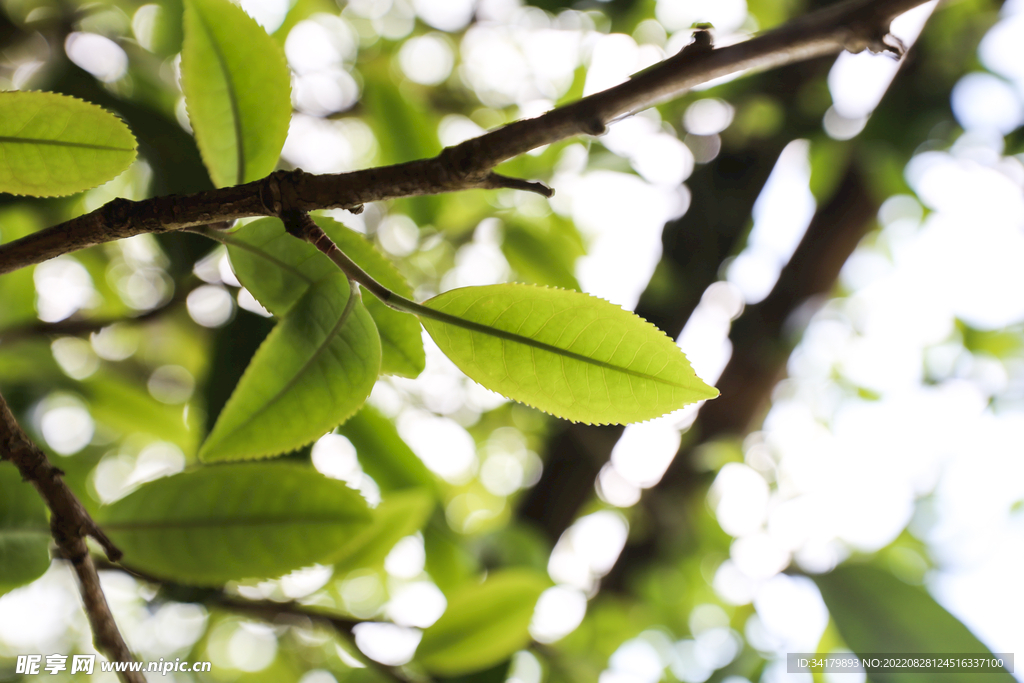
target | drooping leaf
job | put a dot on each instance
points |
(384, 455)
(277, 269)
(313, 371)
(53, 145)
(399, 515)
(570, 354)
(251, 520)
(237, 91)
(484, 623)
(24, 532)
(877, 613)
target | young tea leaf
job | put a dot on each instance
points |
(313, 371)
(483, 624)
(251, 520)
(277, 269)
(53, 145)
(876, 612)
(570, 354)
(24, 531)
(237, 91)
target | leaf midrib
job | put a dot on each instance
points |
(259, 251)
(236, 119)
(227, 523)
(543, 346)
(345, 315)
(61, 143)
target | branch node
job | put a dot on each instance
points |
(593, 126)
(875, 39)
(297, 223)
(270, 192)
(702, 41)
(119, 212)
(892, 45)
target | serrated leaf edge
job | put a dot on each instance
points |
(134, 148)
(265, 455)
(554, 349)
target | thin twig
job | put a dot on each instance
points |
(74, 328)
(267, 610)
(854, 25)
(70, 524)
(277, 611)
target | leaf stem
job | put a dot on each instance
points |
(301, 225)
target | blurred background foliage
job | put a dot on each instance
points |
(849, 275)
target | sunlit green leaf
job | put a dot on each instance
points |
(313, 371)
(237, 91)
(383, 454)
(53, 145)
(277, 269)
(484, 623)
(876, 613)
(24, 532)
(251, 520)
(399, 515)
(572, 355)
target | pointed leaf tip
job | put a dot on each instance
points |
(237, 91)
(569, 354)
(313, 371)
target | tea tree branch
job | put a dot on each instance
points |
(851, 25)
(70, 524)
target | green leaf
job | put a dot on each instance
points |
(277, 269)
(109, 393)
(237, 91)
(570, 354)
(543, 251)
(252, 520)
(399, 515)
(450, 564)
(17, 289)
(53, 145)
(312, 372)
(484, 623)
(384, 455)
(24, 531)
(877, 613)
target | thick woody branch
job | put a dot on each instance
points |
(70, 525)
(854, 25)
